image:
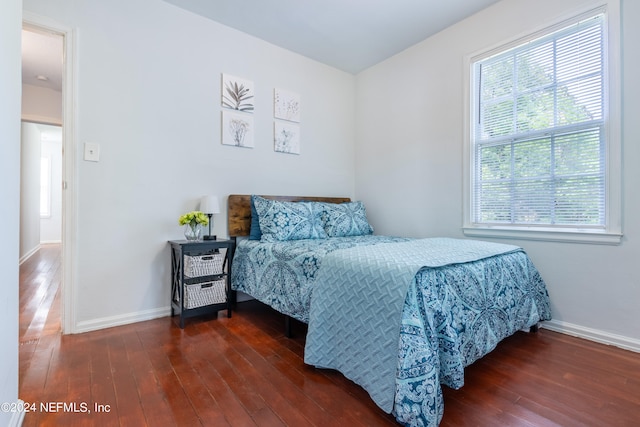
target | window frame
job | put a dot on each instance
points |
(612, 231)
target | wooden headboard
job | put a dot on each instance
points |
(239, 209)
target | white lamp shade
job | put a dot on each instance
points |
(209, 205)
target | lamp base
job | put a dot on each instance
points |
(209, 237)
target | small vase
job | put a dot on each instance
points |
(193, 232)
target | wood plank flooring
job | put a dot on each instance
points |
(243, 371)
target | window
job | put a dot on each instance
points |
(539, 140)
(45, 187)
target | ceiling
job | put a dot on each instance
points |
(42, 60)
(350, 35)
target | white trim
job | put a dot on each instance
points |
(122, 319)
(28, 255)
(43, 120)
(17, 417)
(241, 297)
(547, 235)
(593, 335)
(613, 127)
(69, 163)
(50, 242)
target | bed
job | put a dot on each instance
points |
(398, 316)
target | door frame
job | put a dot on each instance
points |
(68, 286)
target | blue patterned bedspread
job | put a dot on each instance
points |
(281, 274)
(356, 309)
(451, 314)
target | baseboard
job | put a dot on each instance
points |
(123, 319)
(28, 255)
(592, 335)
(242, 297)
(553, 325)
(17, 416)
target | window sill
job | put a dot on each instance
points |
(545, 234)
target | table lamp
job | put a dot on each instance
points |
(209, 206)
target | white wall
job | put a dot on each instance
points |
(41, 105)
(35, 230)
(51, 146)
(10, 35)
(29, 190)
(410, 111)
(148, 91)
(148, 85)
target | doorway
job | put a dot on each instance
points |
(48, 71)
(40, 184)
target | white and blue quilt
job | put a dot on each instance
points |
(281, 274)
(427, 308)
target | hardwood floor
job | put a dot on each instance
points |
(243, 371)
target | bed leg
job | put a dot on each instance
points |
(287, 326)
(534, 328)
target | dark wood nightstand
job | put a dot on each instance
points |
(200, 277)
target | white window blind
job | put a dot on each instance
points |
(538, 136)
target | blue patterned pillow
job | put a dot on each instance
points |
(346, 219)
(254, 231)
(289, 220)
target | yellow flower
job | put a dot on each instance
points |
(192, 218)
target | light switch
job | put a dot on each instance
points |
(92, 151)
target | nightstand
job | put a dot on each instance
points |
(200, 277)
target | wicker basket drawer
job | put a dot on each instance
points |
(203, 265)
(205, 293)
